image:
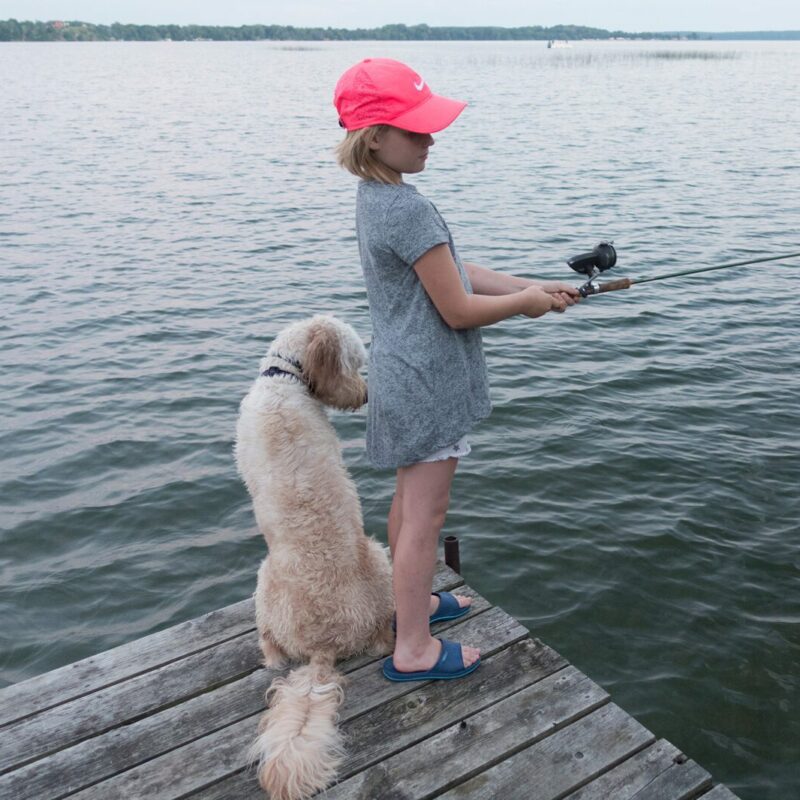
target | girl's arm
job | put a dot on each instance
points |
(439, 275)
(487, 281)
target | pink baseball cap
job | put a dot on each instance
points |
(382, 91)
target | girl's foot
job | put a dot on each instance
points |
(462, 601)
(424, 659)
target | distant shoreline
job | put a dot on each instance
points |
(12, 30)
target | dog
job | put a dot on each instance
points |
(324, 591)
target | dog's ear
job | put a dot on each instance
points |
(322, 361)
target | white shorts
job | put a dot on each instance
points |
(458, 450)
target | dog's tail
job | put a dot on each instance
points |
(299, 747)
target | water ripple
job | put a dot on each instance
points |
(632, 498)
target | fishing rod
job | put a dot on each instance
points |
(604, 256)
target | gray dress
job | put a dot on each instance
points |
(428, 384)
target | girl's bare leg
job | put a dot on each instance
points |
(416, 520)
(394, 525)
(395, 514)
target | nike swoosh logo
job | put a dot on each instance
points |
(419, 86)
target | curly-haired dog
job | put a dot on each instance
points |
(325, 590)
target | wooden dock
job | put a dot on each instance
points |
(172, 715)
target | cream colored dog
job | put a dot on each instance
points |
(325, 590)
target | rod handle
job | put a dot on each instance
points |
(612, 286)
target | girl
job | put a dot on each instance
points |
(428, 384)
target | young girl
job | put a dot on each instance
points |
(427, 380)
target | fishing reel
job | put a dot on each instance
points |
(592, 264)
(604, 256)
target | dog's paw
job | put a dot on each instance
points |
(274, 657)
(383, 643)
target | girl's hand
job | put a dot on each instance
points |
(569, 294)
(538, 302)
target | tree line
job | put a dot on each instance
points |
(12, 30)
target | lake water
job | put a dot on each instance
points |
(165, 209)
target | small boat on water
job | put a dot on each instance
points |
(558, 43)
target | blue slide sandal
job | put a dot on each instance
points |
(448, 609)
(450, 665)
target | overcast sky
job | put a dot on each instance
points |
(628, 15)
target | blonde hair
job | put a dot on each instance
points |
(354, 154)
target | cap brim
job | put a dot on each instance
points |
(433, 114)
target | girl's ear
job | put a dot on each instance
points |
(374, 142)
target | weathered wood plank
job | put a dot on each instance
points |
(492, 630)
(478, 741)
(559, 763)
(75, 680)
(177, 722)
(719, 793)
(422, 712)
(97, 758)
(126, 745)
(68, 723)
(682, 781)
(129, 660)
(213, 758)
(626, 779)
(438, 704)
